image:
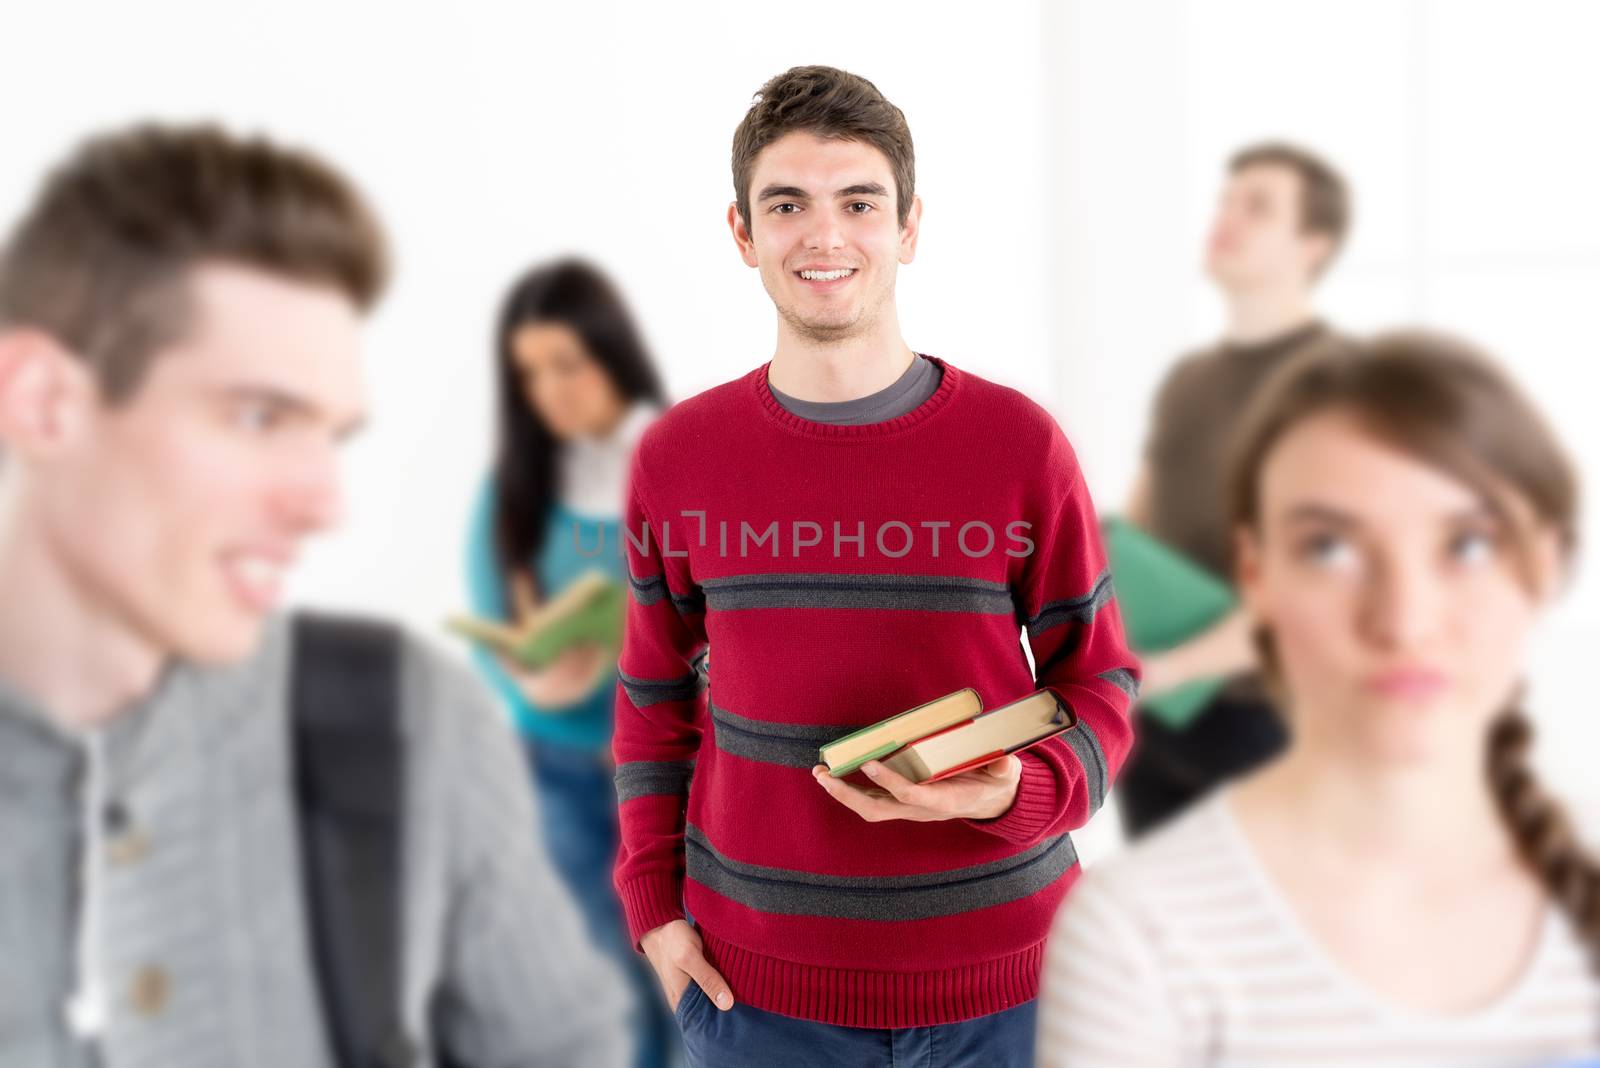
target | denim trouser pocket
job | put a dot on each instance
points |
(691, 993)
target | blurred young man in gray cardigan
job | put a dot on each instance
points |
(179, 323)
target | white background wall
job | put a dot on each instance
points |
(493, 136)
(1068, 154)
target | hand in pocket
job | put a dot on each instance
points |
(675, 952)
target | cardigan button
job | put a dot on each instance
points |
(150, 991)
(127, 848)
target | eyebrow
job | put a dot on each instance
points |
(863, 189)
(1319, 513)
(794, 192)
(1314, 513)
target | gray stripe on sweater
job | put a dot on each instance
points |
(647, 591)
(791, 745)
(786, 892)
(1123, 680)
(646, 692)
(1086, 745)
(933, 593)
(645, 778)
(1073, 609)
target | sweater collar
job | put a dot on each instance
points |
(949, 386)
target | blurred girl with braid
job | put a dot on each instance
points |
(1397, 888)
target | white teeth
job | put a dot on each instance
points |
(257, 571)
(827, 276)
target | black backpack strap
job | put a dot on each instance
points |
(349, 785)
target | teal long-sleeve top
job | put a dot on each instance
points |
(562, 559)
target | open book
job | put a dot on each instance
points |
(950, 735)
(590, 609)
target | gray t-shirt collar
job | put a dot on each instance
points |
(905, 393)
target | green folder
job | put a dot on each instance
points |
(1166, 599)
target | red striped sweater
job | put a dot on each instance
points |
(842, 574)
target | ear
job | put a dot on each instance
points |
(1247, 569)
(1550, 563)
(741, 236)
(910, 231)
(1318, 249)
(45, 393)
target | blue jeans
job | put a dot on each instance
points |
(578, 816)
(744, 1037)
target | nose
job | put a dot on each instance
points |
(1403, 605)
(311, 497)
(824, 234)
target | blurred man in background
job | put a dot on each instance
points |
(206, 804)
(1283, 215)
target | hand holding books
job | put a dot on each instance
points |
(980, 793)
(946, 759)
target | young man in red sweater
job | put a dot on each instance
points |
(855, 529)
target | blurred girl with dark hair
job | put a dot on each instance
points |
(575, 390)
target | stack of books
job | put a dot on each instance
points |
(949, 735)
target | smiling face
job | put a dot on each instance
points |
(1258, 236)
(824, 233)
(1397, 601)
(176, 512)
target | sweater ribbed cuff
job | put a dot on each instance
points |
(650, 901)
(1037, 805)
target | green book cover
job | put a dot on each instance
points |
(1166, 599)
(598, 617)
(599, 620)
(894, 741)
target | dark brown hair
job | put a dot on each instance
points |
(577, 295)
(829, 103)
(1324, 194)
(99, 260)
(1443, 402)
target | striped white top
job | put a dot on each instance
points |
(1182, 952)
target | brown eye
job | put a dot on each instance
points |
(1328, 550)
(256, 416)
(1472, 547)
